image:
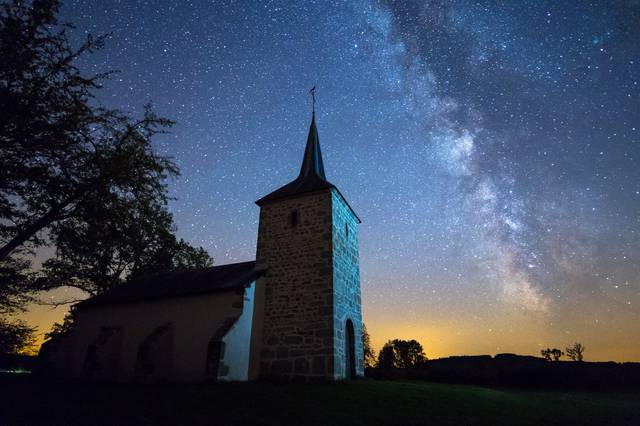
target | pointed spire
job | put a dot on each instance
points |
(311, 177)
(312, 165)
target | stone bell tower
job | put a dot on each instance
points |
(307, 320)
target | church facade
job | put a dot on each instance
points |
(292, 314)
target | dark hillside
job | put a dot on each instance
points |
(523, 371)
(26, 401)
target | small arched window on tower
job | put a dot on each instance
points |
(293, 218)
(346, 230)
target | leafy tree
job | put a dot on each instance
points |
(112, 239)
(576, 351)
(58, 329)
(13, 276)
(16, 337)
(401, 354)
(387, 357)
(85, 176)
(369, 356)
(550, 354)
(409, 352)
(58, 150)
(45, 107)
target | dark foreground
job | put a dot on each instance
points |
(25, 401)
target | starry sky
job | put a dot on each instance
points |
(491, 149)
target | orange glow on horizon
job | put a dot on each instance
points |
(464, 336)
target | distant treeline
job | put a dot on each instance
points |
(519, 371)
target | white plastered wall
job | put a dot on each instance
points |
(237, 342)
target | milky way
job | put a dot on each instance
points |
(491, 149)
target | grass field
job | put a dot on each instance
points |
(24, 401)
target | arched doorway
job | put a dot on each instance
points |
(102, 357)
(350, 350)
(154, 359)
(215, 350)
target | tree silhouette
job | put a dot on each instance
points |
(410, 353)
(369, 356)
(576, 351)
(401, 354)
(387, 357)
(14, 275)
(46, 125)
(15, 337)
(62, 329)
(82, 174)
(113, 239)
(550, 354)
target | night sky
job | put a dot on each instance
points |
(491, 149)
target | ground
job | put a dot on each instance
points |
(26, 401)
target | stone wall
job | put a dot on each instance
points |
(297, 325)
(346, 286)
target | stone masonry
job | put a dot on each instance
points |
(308, 245)
(346, 285)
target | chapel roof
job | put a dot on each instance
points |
(184, 282)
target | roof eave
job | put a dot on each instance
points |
(240, 282)
(87, 304)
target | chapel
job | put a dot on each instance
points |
(292, 314)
